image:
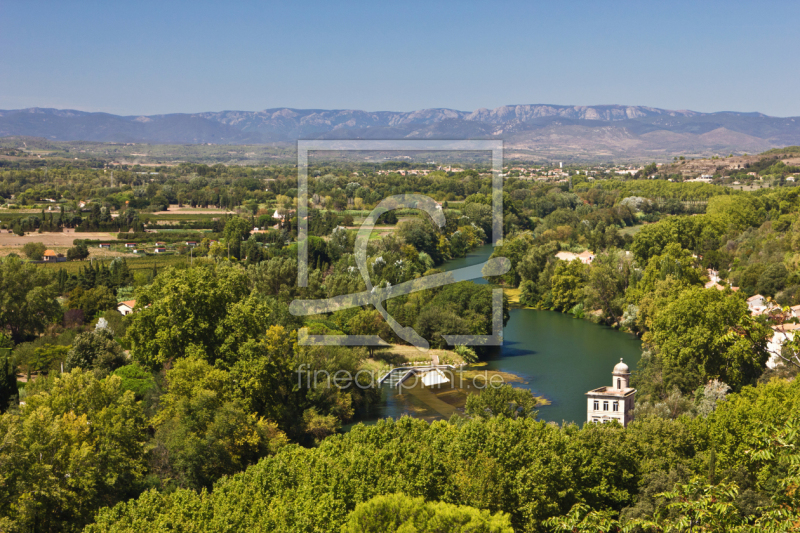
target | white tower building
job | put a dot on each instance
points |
(615, 402)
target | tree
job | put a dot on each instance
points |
(697, 506)
(369, 322)
(674, 263)
(27, 298)
(205, 307)
(400, 513)
(77, 445)
(92, 301)
(79, 252)
(421, 233)
(604, 289)
(772, 279)
(653, 238)
(704, 334)
(203, 431)
(583, 519)
(34, 250)
(8, 377)
(568, 281)
(237, 229)
(135, 379)
(504, 401)
(95, 350)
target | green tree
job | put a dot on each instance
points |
(697, 506)
(27, 298)
(605, 289)
(504, 401)
(704, 334)
(95, 350)
(92, 301)
(206, 307)
(203, 432)
(772, 280)
(8, 377)
(79, 252)
(401, 513)
(369, 322)
(76, 446)
(237, 229)
(135, 379)
(34, 250)
(568, 282)
(675, 263)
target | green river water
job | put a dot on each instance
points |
(556, 356)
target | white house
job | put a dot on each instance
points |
(757, 304)
(780, 335)
(126, 307)
(616, 402)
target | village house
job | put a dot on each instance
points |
(159, 249)
(126, 307)
(616, 402)
(780, 334)
(50, 256)
(104, 245)
(130, 245)
(757, 304)
(586, 257)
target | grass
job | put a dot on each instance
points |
(631, 230)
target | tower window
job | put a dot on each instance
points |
(605, 406)
(619, 383)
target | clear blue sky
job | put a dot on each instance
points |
(173, 56)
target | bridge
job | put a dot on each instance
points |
(428, 374)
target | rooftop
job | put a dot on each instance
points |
(610, 391)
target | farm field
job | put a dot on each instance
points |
(134, 263)
(52, 240)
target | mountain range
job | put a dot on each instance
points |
(547, 130)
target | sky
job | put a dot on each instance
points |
(142, 58)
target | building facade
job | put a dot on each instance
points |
(616, 402)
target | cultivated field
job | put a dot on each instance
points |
(52, 239)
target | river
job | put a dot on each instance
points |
(555, 355)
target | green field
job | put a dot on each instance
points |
(134, 263)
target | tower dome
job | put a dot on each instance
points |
(620, 376)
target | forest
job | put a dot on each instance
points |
(187, 414)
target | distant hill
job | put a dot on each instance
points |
(544, 130)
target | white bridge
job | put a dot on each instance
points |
(429, 375)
